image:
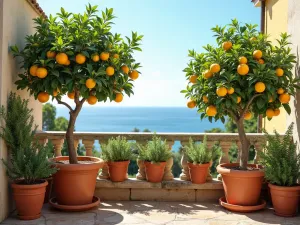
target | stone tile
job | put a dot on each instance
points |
(116, 216)
(209, 195)
(181, 184)
(129, 183)
(113, 194)
(74, 218)
(13, 220)
(156, 216)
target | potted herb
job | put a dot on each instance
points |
(243, 76)
(155, 154)
(28, 164)
(117, 153)
(77, 55)
(199, 157)
(281, 163)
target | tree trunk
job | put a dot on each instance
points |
(244, 152)
(70, 139)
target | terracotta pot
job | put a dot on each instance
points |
(118, 170)
(48, 189)
(74, 184)
(285, 199)
(241, 187)
(154, 171)
(29, 199)
(198, 172)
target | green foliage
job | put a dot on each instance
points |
(28, 159)
(280, 159)
(117, 149)
(61, 124)
(250, 125)
(199, 153)
(155, 151)
(49, 114)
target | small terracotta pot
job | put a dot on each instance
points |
(154, 171)
(29, 199)
(241, 187)
(74, 184)
(285, 199)
(198, 172)
(118, 170)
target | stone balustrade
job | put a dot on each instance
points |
(224, 140)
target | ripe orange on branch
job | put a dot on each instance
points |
(95, 58)
(116, 56)
(257, 54)
(261, 61)
(205, 99)
(62, 58)
(284, 98)
(90, 83)
(193, 79)
(279, 72)
(270, 113)
(104, 56)
(33, 70)
(215, 68)
(230, 91)
(238, 100)
(55, 93)
(211, 110)
(248, 116)
(125, 69)
(80, 58)
(243, 60)
(260, 87)
(207, 74)
(134, 75)
(227, 45)
(41, 72)
(280, 91)
(71, 95)
(119, 97)
(243, 69)
(51, 54)
(276, 112)
(43, 97)
(222, 91)
(110, 71)
(92, 100)
(191, 104)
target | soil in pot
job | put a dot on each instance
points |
(242, 187)
(285, 199)
(29, 199)
(154, 171)
(118, 170)
(198, 172)
(74, 184)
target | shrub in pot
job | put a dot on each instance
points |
(155, 154)
(281, 163)
(76, 55)
(241, 77)
(199, 157)
(117, 153)
(27, 163)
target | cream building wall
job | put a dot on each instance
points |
(16, 22)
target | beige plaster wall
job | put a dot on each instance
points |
(16, 22)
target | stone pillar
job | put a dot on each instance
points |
(258, 147)
(141, 175)
(168, 175)
(185, 174)
(43, 141)
(104, 172)
(76, 143)
(58, 144)
(239, 144)
(209, 177)
(88, 144)
(225, 146)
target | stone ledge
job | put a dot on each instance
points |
(129, 183)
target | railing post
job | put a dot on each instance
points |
(141, 175)
(43, 141)
(185, 174)
(168, 175)
(104, 172)
(88, 144)
(76, 143)
(239, 145)
(225, 146)
(209, 177)
(58, 144)
(258, 147)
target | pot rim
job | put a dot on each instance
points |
(198, 165)
(124, 161)
(248, 173)
(284, 188)
(15, 185)
(97, 163)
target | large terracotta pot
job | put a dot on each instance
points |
(241, 187)
(118, 170)
(74, 184)
(48, 189)
(198, 172)
(29, 199)
(154, 171)
(285, 199)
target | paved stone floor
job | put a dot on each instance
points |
(149, 213)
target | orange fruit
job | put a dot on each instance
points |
(284, 98)
(207, 74)
(104, 56)
(92, 100)
(116, 56)
(41, 72)
(90, 83)
(230, 91)
(125, 69)
(134, 75)
(227, 45)
(221, 91)
(243, 60)
(257, 54)
(248, 116)
(276, 112)
(191, 104)
(71, 95)
(261, 61)
(62, 58)
(68, 63)
(270, 113)
(280, 91)
(271, 99)
(243, 69)
(260, 87)
(51, 54)
(211, 110)
(279, 72)
(33, 70)
(95, 58)
(215, 68)
(193, 79)
(110, 71)
(238, 100)
(119, 97)
(55, 92)
(80, 58)
(205, 99)
(253, 39)
(43, 97)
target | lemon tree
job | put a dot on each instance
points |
(243, 76)
(77, 55)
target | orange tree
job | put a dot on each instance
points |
(243, 76)
(77, 55)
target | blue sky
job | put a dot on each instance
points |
(170, 28)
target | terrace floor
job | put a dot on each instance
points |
(149, 213)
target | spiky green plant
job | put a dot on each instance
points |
(117, 149)
(199, 153)
(28, 161)
(155, 150)
(280, 160)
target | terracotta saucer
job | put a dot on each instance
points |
(239, 208)
(75, 208)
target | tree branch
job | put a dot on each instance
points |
(65, 104)
(235, 117)
(249, 103)
(76, 99)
